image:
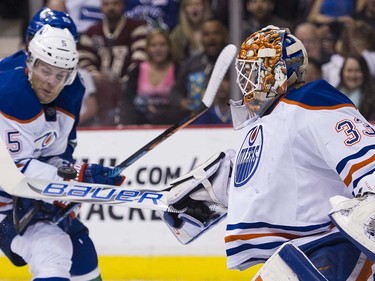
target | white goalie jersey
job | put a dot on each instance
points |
(280, 190)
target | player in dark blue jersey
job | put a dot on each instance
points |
(60, 20)
(46, 137)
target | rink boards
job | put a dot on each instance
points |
(135, 244)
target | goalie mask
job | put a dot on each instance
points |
(269, 62)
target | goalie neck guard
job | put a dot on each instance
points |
(269, 62)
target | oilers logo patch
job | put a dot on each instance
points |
(249, 156)
(46, 140)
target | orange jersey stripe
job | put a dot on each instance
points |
(366, 271)
(66, 112)
(333, 107)
(22, 121)
(4, 204)
(356, 167)
(232, 238)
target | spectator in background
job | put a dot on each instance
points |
(357, 38)
(309, 36)
(219, 112)
(328, 12)
(57, 5)
(313, 71)
(108, 51)
(186, 36)
(260, 14)
(293, 11)
(331, 17)
(356, 82)
(366, 13)
(157, 14)
(90, 107)
(194, 73)
(220, 11)
(84, 13)
(145, 99)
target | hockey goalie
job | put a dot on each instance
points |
(302, 147)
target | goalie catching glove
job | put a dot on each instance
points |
(355, 217)
(199, 199)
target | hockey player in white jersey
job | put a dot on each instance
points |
(36, 118)
(300, 145)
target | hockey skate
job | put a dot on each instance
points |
(355, 218)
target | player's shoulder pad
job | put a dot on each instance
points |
(17, 98)
(318, 95)
(15, 60)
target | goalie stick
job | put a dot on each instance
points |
(221, 66)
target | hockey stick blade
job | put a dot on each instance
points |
(221, 66)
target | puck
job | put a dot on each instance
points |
(67, 173)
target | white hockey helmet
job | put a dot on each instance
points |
(55, 47)
(269, 62)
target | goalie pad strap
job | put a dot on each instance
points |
(300, 264)
(209, 188)
(288, 263)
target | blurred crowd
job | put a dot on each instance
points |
(148, 62)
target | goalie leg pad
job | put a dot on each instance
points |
(355, 218)
(288, 263)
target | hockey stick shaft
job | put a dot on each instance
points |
(156, 141)
(221, 66)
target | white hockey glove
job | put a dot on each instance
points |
(355, 217)
(199, 198)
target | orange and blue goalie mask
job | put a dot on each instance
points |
(261, 71)
(269, 61)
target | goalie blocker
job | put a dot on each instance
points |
(200, 198)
